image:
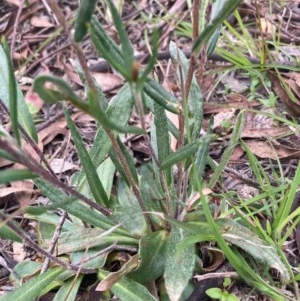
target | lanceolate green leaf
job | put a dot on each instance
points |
(195, 101)
(81, 239)
(7, 156)
(126, 45)
(150, 65)
(7, 233)
(24, 116)
(162, 138)
(129, 290)
(11, 175)
(33, 287)
(129, 160)
(248, 241)
(108, 49)
(181, 154)
(118, 111)
(76, 208)
(65, 92)
(201, 155)
(87, 164)
(69, 291)
(102, 118)
(179, 268)
(129, 213)
(159, 95)
(227, 7)
(13, 97)
(152, 253)
(211, 45)
(83, 17)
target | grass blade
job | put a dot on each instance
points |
(226, 155)
(226, 8)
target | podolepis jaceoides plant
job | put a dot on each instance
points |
(144, 212)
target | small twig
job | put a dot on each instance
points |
(38, 249)
(216, 275)
(34, 166)
(15, 28)
(50, 12)
(128, 174)
(54, 240)
(193, 59)
(242, 177)
(30, 141)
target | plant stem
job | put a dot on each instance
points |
(34, 166)
(128, 174)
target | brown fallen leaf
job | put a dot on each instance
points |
(236, 154)
(263, 149)
(265, 132)
(42, 21)
(287, 92)
(59, 165)
(108, 81)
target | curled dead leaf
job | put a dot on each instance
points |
(288, 91)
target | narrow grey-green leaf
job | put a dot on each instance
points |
(161, 96)
(129, 290)
(201, 155)
(152, 253)
(13, 96)
(181, 154)
(83, 17)
(108, 48)
(76, 208)
(129, 213)
(129, 161)
(84, 238)
(248, 241)
(32, 288)
(24, 116)
(195, 101)
(119, 111)
(126, 45)
(69, 290)
(211, 45)
(87, 164)
(150, 65)
(7, 156)
(101, 117)
(179, 269)
(7, 233)
(162, 138)
(11, 175)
